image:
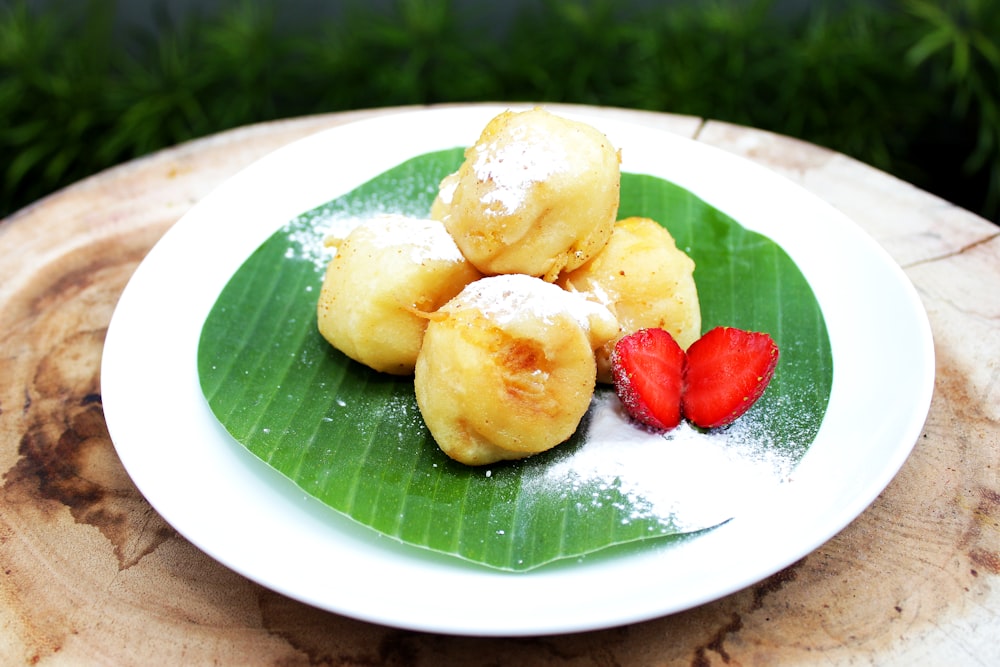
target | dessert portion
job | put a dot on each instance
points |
(645, 281)
(385, 273)
(507, 304)
(507, 368)
(537, 194)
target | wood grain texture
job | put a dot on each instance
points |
(90, 573)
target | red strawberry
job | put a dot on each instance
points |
(648, 370)
(727, 370)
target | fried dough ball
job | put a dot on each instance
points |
(507, 368)
(645, 280)
(536, 194)
(385, 272)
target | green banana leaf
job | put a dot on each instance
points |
(355, 440)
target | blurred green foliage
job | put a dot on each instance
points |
(909, 86)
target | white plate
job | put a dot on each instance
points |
(256, 522)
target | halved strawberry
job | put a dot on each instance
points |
(647, 368)
(727, 370)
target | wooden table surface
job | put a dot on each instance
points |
(90, 573)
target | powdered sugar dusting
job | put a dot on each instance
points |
(426, 240)
(307, 233)
(510, 298)
(512, 165)
(307, 238)
(685, 479)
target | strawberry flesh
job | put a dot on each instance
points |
(726, 371)
(647, 368)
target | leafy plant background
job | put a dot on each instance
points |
(909, 86)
